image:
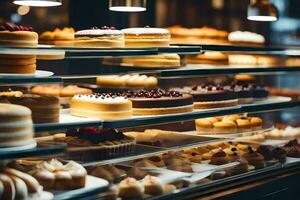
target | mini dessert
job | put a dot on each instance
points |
(242, 59)
(246, 38)
(266, 151)
(59, 91)
(54, 175)
(157, 161)
(11, 94)
(207, 97)
(254, 158)
(204, 35)
(219, 158)
(225, 127)
(102, 143)
(289, 133)
(103, 106)
(244, 78)
(102, 172)
(208, 57)
(99, 37)
(136, 173)
(242, 167)
(16, 127)
(146, 37)
(256, 123)
(130, 188)
(44, 109)
(243, 125)
(159, 102)
(292, 148)
(59, 37)
(163, 61)
(128, 80)
(153, 185)
(279, 154)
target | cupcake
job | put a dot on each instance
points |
(254, 158)
(219, 158)
(279, 154)
(130, 188)
(153, 185)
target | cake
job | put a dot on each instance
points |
(208, 96)
(103, 106)
(44, 109)
(146, 37)
(203, 35)
(101, 143)
(242, 167)
(16, 125)
(59, 37)
(163, 61)
(159, 102)
(130, 188)
(99, 37)
(208, 57)
(128, 80)
(279, 154)
(242, 59)
(259, 92)
(244, 93)
(17, 36)
(246, 38)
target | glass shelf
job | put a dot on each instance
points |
(69, 121)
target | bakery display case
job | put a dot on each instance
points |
(169, 113)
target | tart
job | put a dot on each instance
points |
(219, 158)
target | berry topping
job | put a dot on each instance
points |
(220, 154)
(12, 27)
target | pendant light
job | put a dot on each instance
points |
(38, 3)
(262, 10)
(127, 5)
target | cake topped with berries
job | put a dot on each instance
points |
(13, 35)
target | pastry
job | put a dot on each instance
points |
(63, 180)
(209, 96)
(157, 161)
(16, 127)
(146, 37)
(136, 173)
(130, 188)
(205, 125)
(242, 59)
(44, 109)
(159, 102)
(128, 80)
(242, 167)
(103, 106)
(208, 57)
(99, 37)
(244, 125)
(59, 91)
(20, 187)
(279, 154)
(256, 123)
(11, 94)
(45, 178)
(102, 172)
(9, 192)
(219, 158)
(254, 158)
(153, 185)
(266, 151)
(225, 127)
(59, 37)
(203, 35)
(163, 61)
(244, 93)
(144, 163)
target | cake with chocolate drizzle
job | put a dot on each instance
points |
(210, 96)
(159, 102)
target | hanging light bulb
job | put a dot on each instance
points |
(127, 5)
(262, 10)
(38, 3)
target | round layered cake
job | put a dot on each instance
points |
(99, 37)
(208, 57)
(103, 106)
(45, 109)
(159, 102)
(146, 37)
(246, 38)
(207, 97)
(15, 125)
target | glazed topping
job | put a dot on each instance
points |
(12, 27)
(155, 93)
(220, 154)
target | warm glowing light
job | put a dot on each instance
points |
(23, 10)
(127, 9)
(38, 3)
(262, 18)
